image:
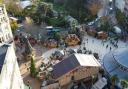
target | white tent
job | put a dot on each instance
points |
(100, 83)
(117, 29)
(87, 60)
(25, 3)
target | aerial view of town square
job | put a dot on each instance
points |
(63, 44)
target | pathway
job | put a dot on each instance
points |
(93, 44)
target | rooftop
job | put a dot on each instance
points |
(121, 56)
(73, 61)
(115, 63)
(3, 51)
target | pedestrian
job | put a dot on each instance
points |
(117, 42)
(92, 41)
(110, 48)
(117, 46)
(106, 46)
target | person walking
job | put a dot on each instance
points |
(110, 48)
(92, 41)
(106, 46)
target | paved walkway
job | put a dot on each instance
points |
(93, 44)
(33, 82)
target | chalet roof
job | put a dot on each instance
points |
(72, 62)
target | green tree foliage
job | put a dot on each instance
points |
(124, 83)
(33, 68)
(45, 8)
(58, 7)
(38, 13)
(30, 10)
(57, 36)
(14, 25)
(47, 1)
(57, 22)
(77, 9)
(114, 78)
(121, 18)
(105, 26)
(13, 8)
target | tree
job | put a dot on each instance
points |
(13, 8)
(121, 18)
(57, 36)
(94, 8)
(124, 83)
(30, 10)
(114, 79)
(47, 1)
(56, 22)
(45, 8)
(33, 68)
(38, 12)
(77, 9)
(14, 25)
(105, 26)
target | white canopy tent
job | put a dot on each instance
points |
(117, 29)
(25, 3)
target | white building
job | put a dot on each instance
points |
(5, 30)
(10, 77)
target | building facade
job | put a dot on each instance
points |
(5, 29)
(75, 67)
(10, 77)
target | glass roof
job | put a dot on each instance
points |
(121, 56)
